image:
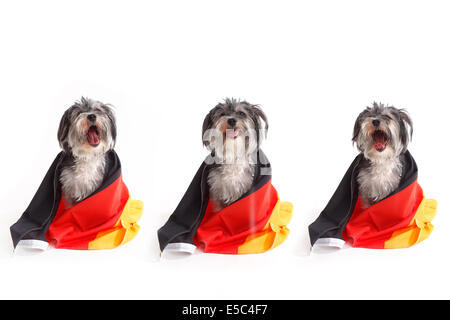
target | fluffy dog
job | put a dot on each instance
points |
(233, 132)
(382, 134)
(86, 133)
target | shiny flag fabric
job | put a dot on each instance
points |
(105, 220)
(255, 223)
(399, 221)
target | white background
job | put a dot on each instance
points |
(311, 65)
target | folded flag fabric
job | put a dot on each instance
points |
(399, 221)
(105, 220)
(255, 223)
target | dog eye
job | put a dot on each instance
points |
(242, 114)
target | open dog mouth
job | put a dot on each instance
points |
(380, 140)
(233, 133)
(93, 136)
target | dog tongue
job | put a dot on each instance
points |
(93, 138)
(379, 141)
(232, 133)
(379, 146)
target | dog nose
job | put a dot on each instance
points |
(232, 122)
(376, 123)
(92, 117)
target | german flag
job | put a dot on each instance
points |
(399, 221)
(255, 223)
(105, 220)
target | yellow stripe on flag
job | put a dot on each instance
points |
(274, 233)
(418, 230)
(124, 230)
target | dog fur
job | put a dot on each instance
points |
(86, 133)
(382, 133)
(233, 131)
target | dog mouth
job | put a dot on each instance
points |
(380, 140)
(93, 136)
(232, 133)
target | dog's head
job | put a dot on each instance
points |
(235, 126)
(87, 128)
(382, 132)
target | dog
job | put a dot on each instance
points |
(87, 131)
(233, 131)
(382, 133)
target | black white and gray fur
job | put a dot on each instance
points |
(382, 133)
(233, 132)
(86, 133)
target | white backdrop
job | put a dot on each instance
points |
(311, 65)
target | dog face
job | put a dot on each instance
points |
(234, 127)
(87, 128)
(382, 132)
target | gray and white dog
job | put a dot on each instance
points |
(86, 133)
(382, 133)
(233, 131)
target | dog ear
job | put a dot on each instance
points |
(261, 116)
(405, 122)
(207, 124)
(357, 126)
(112, 119)
(63, 129)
